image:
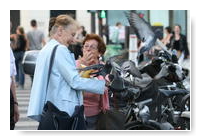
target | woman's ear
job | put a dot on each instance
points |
(59, 31)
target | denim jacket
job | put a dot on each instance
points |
(65, 84)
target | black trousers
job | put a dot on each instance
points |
(12, 123)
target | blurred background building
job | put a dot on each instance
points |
(103, 22)
(110, 18)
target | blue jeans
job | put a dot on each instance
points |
(20, 72)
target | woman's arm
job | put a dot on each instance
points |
(67, 67)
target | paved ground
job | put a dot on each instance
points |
(24, 122)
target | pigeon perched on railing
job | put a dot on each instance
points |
(129, 66)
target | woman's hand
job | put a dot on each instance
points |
(89, 58)
(109, 78)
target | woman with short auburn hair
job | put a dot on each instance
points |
(93, 49)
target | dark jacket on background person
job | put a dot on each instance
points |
(180, 45)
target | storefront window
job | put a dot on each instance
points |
(180, 17)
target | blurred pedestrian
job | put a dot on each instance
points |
(80, 35)
(167, 38)
(14, 112)
(62, 92)
(84, 32)
(19, 50)
(93, 49)
(179, 43)
(118, 34)
(115, 33)
(35, 37)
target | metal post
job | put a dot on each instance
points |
(93, 22)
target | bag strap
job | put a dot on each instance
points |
(50, 67)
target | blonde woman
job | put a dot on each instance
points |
(65, 86)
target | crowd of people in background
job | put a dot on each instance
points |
(21, 42)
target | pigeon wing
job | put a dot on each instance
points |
(143, 30)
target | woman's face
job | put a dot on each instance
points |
(177, 30)
(91, 46)
(68, 35)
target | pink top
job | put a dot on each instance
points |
(92, 102)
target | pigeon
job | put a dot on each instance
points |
(143, 31)
(129, 66)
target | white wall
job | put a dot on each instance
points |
(84, 18)
(41, 16)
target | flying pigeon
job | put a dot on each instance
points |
(143, 31)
